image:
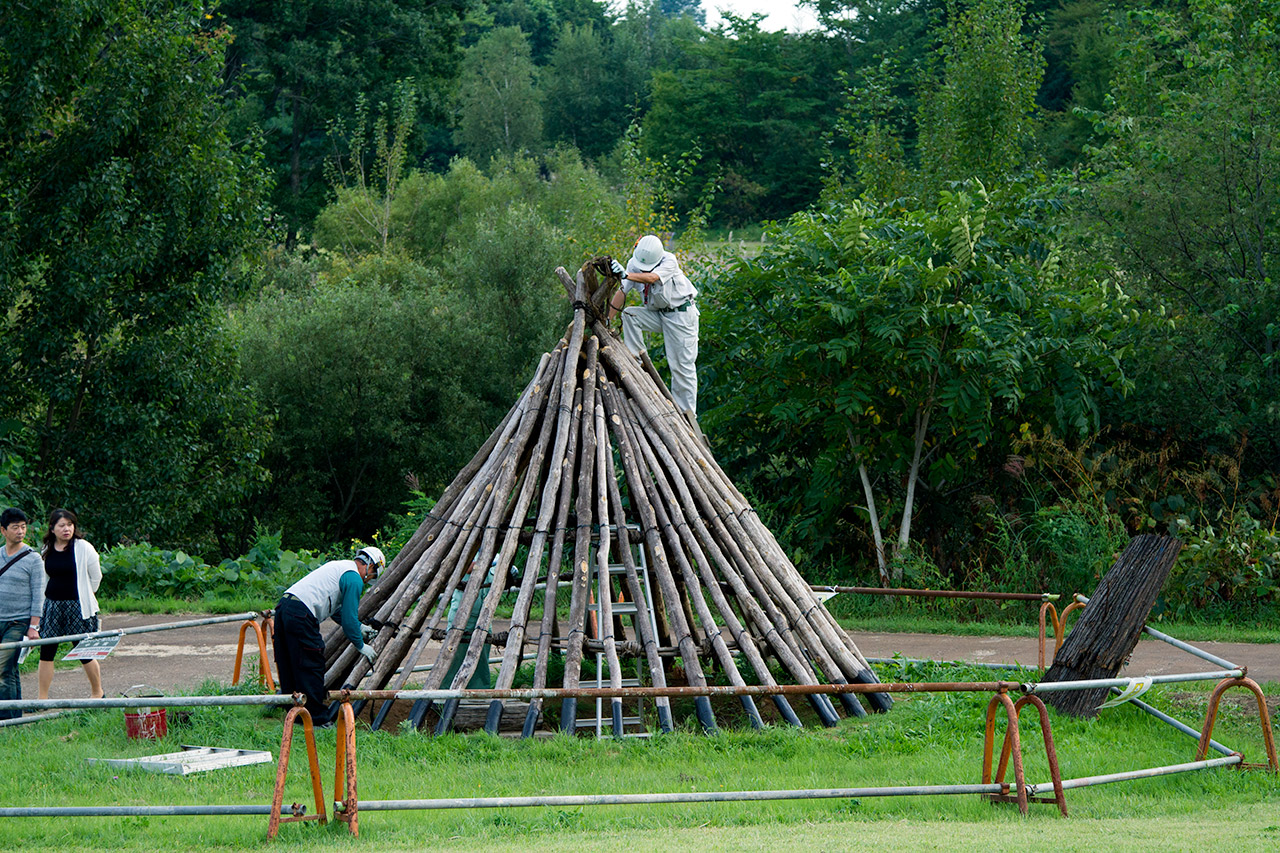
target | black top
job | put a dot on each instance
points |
(60, 566)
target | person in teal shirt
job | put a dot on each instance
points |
(333, 590)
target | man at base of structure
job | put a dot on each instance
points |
(668, 307)
(333, 590)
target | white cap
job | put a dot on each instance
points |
(647, 253)
(373, 556)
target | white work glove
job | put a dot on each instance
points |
(368, 652)
(368, 632)
(618, 268)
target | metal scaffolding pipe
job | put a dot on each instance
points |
(1148, 773)
(1177, 724)
(676, 797)
(30, 718)
(1190, 649)
(145, 702)
(132, 811)
(139, 629)
(939, 593)
(890, 661)
(1092, 683)
(526, 693)
(609, 692)
(1176, 643)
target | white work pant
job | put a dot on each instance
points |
(679, 330)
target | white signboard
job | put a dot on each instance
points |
(94, 648)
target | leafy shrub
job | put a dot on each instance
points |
(1234, 565)
(145, 571)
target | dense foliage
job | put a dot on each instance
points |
(124, 209)
(282, 266)
(883, 353)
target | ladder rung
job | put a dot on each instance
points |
(619, 608)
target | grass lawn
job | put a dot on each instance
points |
(925, 739)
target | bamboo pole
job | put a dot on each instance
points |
(755, 570)
(582, 542)
(403, 564)
(642, 499)
(695, 531)
(484, 622)
(675, 527)
(551, 592)
(409, 590)
(547, 503)
(604, 580)
(644, 628)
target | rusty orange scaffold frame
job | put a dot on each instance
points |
(1211, 718)
(261, 629)
(344, 778)
(1059, 625)
(286, 742)
(346, 760)
(1013, 748)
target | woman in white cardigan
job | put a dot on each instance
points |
(70, 607)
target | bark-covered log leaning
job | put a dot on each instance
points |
(1108, 630)
(595, 431)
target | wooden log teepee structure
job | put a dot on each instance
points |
(593, 461)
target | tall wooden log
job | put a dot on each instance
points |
(604, 580)
(553, 482)
(581, 589)
(551, 593)
(675, 528)
(643, 498)
(699, 529)
(645, 628)
(1106, 633)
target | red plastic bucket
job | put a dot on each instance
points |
(149, 725)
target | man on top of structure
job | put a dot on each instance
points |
(333, 590)
(667, 306)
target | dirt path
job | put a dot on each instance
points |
(181, 659)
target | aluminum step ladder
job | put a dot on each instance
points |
(602, 722)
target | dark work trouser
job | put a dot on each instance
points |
(299, 650)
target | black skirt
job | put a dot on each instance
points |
(62, 618)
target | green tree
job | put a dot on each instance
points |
(368, 380)
(741, 97)
(581, 87)
(1185, 190)
(874, 353)
(295, 67)
(499, 111)
(979, 120)
(542, 21)
(125, 212)
(368, 174)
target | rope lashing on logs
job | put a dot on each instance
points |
(497, 638)
(548, 531)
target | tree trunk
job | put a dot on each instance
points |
(881, 564)
(1108, 630)
(908, 506)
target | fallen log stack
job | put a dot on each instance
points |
(593, 461)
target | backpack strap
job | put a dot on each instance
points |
(20, 555)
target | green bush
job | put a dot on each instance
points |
(1233, 566)
(144, 571)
